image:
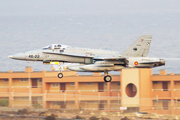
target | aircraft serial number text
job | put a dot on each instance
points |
(34, 56)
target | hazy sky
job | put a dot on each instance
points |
(57, 7)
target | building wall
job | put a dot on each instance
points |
(3, 83)
(20, 101)
(177, 85)
(115, 86)
(109, 99)
(88, 86)
(18, 82)
(70, 86)
(129, 76)
(55, 88)
(159, 85)
(39, 83)
(145, 88)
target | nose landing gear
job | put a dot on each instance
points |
(60, 74)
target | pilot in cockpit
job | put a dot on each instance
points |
(54, 46)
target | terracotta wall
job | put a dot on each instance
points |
(18, 82)
(3, 83)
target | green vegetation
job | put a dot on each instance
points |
(4, 103)
(37, 105)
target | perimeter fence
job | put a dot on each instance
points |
(87, 100)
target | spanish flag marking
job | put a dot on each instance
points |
(136, 63)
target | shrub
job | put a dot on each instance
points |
(23, 111)
(4, 103)
(37, 105)
(79, 117)
(93, 118)
(52, 117)
(103, 118)
(41, 113)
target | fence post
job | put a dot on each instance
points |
(157, 103)
(64, 98)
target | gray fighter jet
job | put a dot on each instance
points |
(95, 60)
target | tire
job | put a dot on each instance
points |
(60, 75)
(107, 78)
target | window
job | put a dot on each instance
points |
(6, 80)
(40, 80)
(23, 80)
(72, 84)
(55, 85)
(89, 83)
(155, 82)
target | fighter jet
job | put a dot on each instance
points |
(94, 60)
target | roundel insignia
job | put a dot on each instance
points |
(136, 63)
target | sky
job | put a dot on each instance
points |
(57, 7)
(108, 24)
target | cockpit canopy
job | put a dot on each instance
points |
(55, 46)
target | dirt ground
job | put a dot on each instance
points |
(72, 114)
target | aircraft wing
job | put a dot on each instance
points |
(71, 54)
(88, 56)
(115, 60)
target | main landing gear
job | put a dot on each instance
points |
(107, 78)
(60, 74)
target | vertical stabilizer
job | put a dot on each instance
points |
(140, 48)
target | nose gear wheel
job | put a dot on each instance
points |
(60, 75)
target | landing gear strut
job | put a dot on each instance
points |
(107, 78)
(60, 74)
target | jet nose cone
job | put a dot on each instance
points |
(10, 56)
(19, 56)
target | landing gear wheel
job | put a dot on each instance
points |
(60, 75)
(107, 78)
